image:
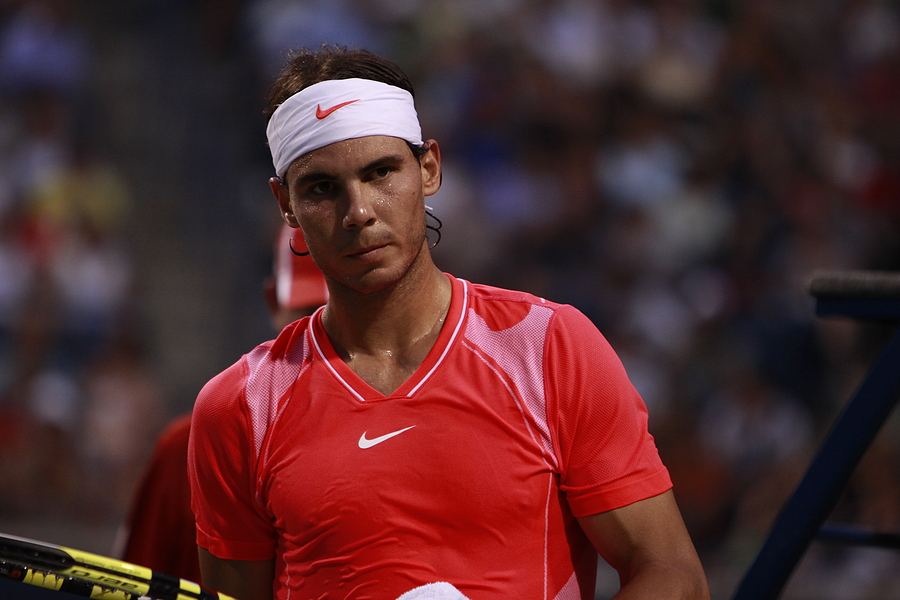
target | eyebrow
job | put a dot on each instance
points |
(391, 159)
(306, 178)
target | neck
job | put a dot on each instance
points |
(391, 321)
(386, 335)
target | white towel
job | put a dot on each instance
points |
(434, 591)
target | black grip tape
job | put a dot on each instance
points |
(34, 554)
(164, 587)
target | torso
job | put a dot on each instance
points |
(398, 479)
(457, 474)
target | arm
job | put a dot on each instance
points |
(242, 579)
(229, 520)
(648, 544)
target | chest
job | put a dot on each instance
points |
(459, 450)
(383, 374)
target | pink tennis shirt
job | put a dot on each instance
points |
(520, 419)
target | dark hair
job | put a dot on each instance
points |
(307, 67)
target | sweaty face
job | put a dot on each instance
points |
(360, 203)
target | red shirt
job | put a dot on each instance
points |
(520, 419)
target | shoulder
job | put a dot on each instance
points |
(228, 385)
(508, 324)
(247, 395)
(503, 309)
(521, 331)
(490, 293)
(256, 367)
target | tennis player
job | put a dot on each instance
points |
(418, 428)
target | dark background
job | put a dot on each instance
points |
(675, 169)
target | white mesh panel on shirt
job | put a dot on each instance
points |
(269, 380)
(519, 351)
(570, 591)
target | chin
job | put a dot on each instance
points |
(382, 277)
(372, 282)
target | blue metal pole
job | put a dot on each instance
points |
(821, 487)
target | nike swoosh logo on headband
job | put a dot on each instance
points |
(321, 114)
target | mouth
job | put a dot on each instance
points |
(366, 252)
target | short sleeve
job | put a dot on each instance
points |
(608, 459)
(231, 523)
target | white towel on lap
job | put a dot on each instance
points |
(434, 591)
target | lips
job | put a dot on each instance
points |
(366, 252)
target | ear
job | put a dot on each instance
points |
(431, 168)
(280, 191)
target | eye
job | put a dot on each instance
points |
(382, 172)
(321, 188)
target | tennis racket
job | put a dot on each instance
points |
(71, 585)
(91, 575)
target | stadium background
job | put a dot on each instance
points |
(674, 168)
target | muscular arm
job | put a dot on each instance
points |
(242, 579)
(648, 544)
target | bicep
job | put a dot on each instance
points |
(648, 544)
(242, 579)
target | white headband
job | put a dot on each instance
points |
(337, 110)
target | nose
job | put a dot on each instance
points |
(360, 211)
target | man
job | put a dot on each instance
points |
(418, 428)
(159, 531)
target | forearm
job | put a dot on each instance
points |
(663, 581)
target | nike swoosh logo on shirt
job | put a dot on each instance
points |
(366, 443)
(321, 114)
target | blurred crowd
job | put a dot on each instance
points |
(68, 355)
(677, 169)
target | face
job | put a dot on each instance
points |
(360, 203)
